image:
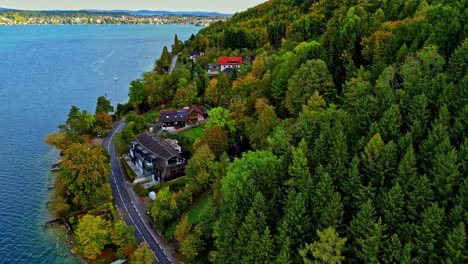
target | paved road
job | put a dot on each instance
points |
(125, 200)
(174, 62)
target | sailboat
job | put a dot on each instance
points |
(115, 77)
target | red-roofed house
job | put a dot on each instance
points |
(229, 62)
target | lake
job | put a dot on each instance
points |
(43, 71)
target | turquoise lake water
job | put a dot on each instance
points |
(43, 71)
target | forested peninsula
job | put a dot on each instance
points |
(340, 139)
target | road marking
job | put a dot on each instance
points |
(126, 209)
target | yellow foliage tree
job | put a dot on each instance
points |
(91, 236)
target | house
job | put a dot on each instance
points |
(157, 159)
(179, 118)
(229, 71)
(229, 62)
(213, 69)
(195, 55)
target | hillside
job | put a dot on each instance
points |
(356, 117)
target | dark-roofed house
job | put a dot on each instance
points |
(195, 55)
(158, 159)
(179, 118)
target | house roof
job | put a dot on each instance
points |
(158, 147)
(197, 108)
(173, 115)
(194, 53)
(230, 60)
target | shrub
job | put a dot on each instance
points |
(141, 191)
(92, 212)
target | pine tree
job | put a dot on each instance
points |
(339, 154)
(386, 166)
(418, 117)
(351, 186)
(445, 175)
(390, 123)
(393, 205)
(327, 208)
(367, 234)
(407, 169)
(298, 170)
(327, 250)
(430, 234)
(437, 136)
(251, 228)
(372, 152)
(455, 246)
(419, 195)
(393, 250)
(294, 224)
(284, 256)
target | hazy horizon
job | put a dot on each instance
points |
(227, 7)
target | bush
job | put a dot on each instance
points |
(130, 173)
(72, 220)
(141, 191)
(92, 212)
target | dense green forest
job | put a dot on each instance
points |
(356, 115)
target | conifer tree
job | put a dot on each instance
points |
(430, 234)
(295, 226)
(393, 206)
(371, 153)
(393, 250)
(455, 246)
(367, 235)
(445, 175)
(327, 250)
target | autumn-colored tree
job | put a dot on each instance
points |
(185, 95)
(216, 138)
(122, 236)
(200, 168)
(91, 235)
(85, 175)
(189, 237)
(58, 140)
(263, 126)
(143, 255)
(104, 119)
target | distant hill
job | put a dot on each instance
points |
(160, 13)
(130, 12)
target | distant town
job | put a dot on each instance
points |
(20, 17)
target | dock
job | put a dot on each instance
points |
(55, 167)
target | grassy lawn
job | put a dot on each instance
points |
(193, 133)
(193, 213)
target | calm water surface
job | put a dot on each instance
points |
(43, 71)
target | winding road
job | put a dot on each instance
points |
(126, 202)
(174, 62)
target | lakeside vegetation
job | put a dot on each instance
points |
(355, 113)
(82, 198)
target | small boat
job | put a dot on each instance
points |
(115, 77)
